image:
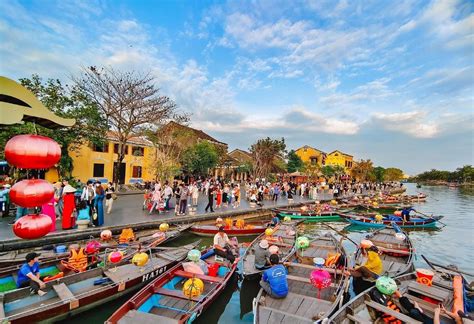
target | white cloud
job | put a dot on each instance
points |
(412, 123)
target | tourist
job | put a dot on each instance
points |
(167, 194)
(218, 197)
(262, 255)
(48, 210)
(98, 205)
(236, 194)
(5, 200)
(83, 211)
(225, 194)
(68, 221)
(210, 197)
(29, 275)
(222, 244)
(194, 195)
(274, 280)
(156, 199)
(176, 197)
(88, 194)
(109, 197)
(373, 267)
(183, 200)
(276, 192)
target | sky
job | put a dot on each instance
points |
(390, 81)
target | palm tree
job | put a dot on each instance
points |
(362, 170)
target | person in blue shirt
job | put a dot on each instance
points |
(274, 280)
(406, 213)
(29, 275)
(275, 221)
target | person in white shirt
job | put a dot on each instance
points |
(221, 245)
(167, 194)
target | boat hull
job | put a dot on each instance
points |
(367, 222)
(211, 230)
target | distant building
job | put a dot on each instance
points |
(311, 155)
(196, 135)
(339, 158)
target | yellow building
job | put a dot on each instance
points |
(339, 158)
(311, 155)
(97, 162)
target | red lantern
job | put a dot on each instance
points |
(31, 193)
(32, 152)
(32, 226)
(116, 256)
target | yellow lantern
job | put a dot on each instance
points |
(333, 202)
(140, 259)
(375, 204)
(164, 227)
(378, 218)
(287, 219)
(268, 232)
(193, 287)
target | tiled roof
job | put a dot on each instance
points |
(197, 132)
(137, 140)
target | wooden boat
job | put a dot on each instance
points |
(53, 266)
(304, 304)
(163, 300)
(364, 309)
(369, 221)
(250, 229)
(284, 236)
(313, 213)
(397, 191)
(76, 293)
(379, 209)
(144, 238)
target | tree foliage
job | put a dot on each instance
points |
(378, 174)
(363, 170)
(328, 171)
(463, 174)
(265, 153)
(129, 101)
(199, 158)
(68, 102)
(393, 174)
(295, 163)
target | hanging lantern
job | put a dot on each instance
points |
(193, 287)
(140, 259)
(92, 247)
(32, 152)
(219, 221)
(378, 218)
(333, 202)
(194, 255)
(320, 279)
(31, 193)
(268, 232)
(375, 204)
(32, 226)
(115, 257)
(302, 242)
(386, 285)
(164, 227)
(273, 249)
(106, 235)
(287, 219)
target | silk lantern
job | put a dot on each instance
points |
(106, 235)
(164, 227)
(32, 152)
(320, 279)
(140, 259)
(194, 255)
(32, 226)
(115, 257)
(31, 193)
(193, 287)
(92, 247)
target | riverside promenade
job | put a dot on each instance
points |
(128, 212)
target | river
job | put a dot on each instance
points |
(451, 244)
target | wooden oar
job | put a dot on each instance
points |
(340, 233)
(416, 211)
(434, 265)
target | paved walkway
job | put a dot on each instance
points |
(127, 210)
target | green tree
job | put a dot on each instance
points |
(362, 170)
(327, 171)
(378, 174)
(198, 159)
(65, 101)
(294, 162)
(265, 152)
(393, 174)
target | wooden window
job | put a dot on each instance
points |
(98, 170)
(116, 149)
(100, 148)
(314, 160)
(138, 151)
(136, 171)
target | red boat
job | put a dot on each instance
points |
(163, 299)
(253, 228)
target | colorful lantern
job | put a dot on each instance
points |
(302, 242)
(365, 244)
(140, 259)
(400, 236)
(193, 287)
(287, 219)
(194, 255)
(115, 257)
(273, 249)
(333, 202)
(320, 279)
(164, 227)
(92, 247)
(106, 235)
(32, 226)
(304, 208)
(375, 204)
(219, 221)
(32, 152)
(386, 285)
(378, 218)
(398, 213)
(31, 193)
(268, 232)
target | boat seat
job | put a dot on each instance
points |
(305, 280)
(187, 274)
(66, 295)
(432, 292)
(357, 319)
(133, 317)
(175, 293)
(389, 311)
(2, 309)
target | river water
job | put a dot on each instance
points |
(451, 244)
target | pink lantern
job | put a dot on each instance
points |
(32, 152)
(31, 193)
(320, 279)
(115, 256)
(92, 247)
(32, 226)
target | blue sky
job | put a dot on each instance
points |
(392, 81)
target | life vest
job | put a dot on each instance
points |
(389, 318)
(332, 258)
(77, 261)
(126, 236)
(240, 223)
(228, 223)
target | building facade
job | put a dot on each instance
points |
(311, 155)
(341, 159)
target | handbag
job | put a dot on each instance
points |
(114, 196)
(94, 215)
